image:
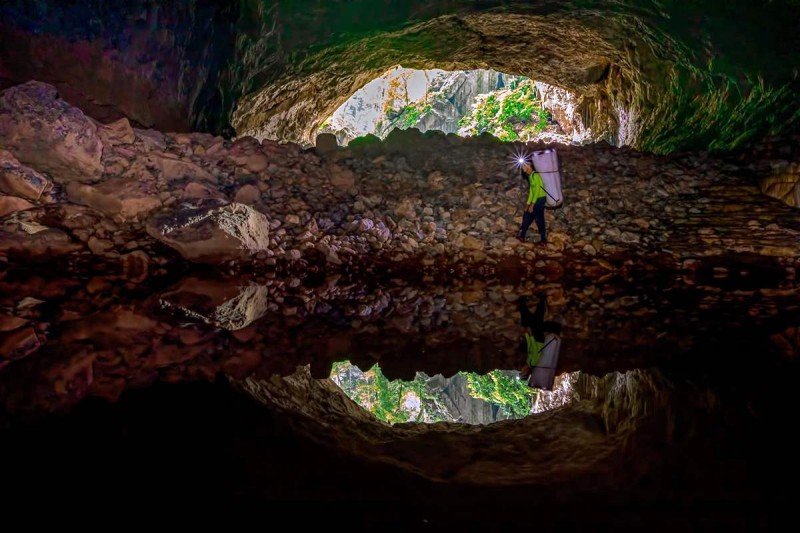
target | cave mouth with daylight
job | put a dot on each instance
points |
(467, 103)
(229, 276)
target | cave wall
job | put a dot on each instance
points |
(709, 75)
(157, 63)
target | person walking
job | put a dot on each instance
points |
(541, 355)
(534, 206)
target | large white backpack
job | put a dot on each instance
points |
(546, 163)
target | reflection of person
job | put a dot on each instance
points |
(541, 350)
(534, 206)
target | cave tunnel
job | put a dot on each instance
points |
(209, 295)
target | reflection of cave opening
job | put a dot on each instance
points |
(466, 397)
(466, 103)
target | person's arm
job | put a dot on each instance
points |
(529, 202)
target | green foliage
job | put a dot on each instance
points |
(512, 395)
(509, 114)
(387, 399)
(408, 116)
(396, 401)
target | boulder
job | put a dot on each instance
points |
(116, 133)
(326, 144)
(173, 169)
(18, 180)
(211, 233)
(45, 132)
(248, 195)
(12, 204)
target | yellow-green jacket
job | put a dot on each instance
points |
(535, 349)
(536, 189)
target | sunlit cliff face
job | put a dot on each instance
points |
(670, 77)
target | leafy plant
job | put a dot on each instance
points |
(509, 113)
(513, 396)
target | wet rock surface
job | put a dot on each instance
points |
(664, 391)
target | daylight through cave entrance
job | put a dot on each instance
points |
(466, 103)
(466, 397)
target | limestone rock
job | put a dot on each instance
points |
(326, 144)
(151, 139)
(212, 233)
(248, 195)
(19, 180)
(200, 191)
(784, 185)
(12, 204)
(117, 133)
(173, 169)
(48, 134)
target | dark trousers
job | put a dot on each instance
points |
(536, 215)
(535, 321)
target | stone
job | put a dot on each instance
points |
(135, 265)
(45, 132)
(341, 178)
(19, 343)
(99, 246)
(174, 169)
(248, 195)
(256, 163)
(211, 233)
(326, 144)
(18, 180)
(89, 196)
(151, 139)
(12, 204)
(37, 242)
(200, 191)
(117, 133)
(471, 243)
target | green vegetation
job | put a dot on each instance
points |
(409, 115)
(508, 114)
(403, 401)
(390, 401)
(512, 395)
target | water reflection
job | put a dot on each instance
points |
(63, 339)
(467, 397)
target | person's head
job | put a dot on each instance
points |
(527, 168)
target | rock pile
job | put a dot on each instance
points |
(74, 187)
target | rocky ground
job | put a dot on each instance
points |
(80, 190)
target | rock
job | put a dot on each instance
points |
(99, 246)
(212, 233)
(326, 144)
(19, 180)
(199, 191)
(256, 163)
(151, 139)
(117, 133)
(292, 219)
(9, 323)
(135, 265)
(48, 134)
(89, 196)
(12, 204)
(784, 185)
(471, 243)
(248, 195)
(38, 241)
(174, 169)
(19, 343)
(341, 178)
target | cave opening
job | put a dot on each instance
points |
(465, 103)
